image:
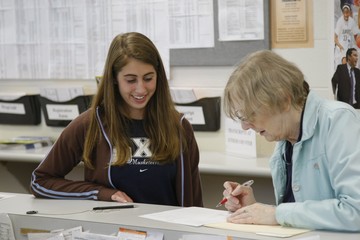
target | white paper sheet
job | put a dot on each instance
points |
(191, 23)
(197, 216)
(6, 228)
(241, 20)
(61, 94)
(183, 95)
(47, 236)
(238, 141)
(192, 216)
(92, 236)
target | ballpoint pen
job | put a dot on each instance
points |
(113, 207)
(224, 200)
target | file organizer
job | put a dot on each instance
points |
(24, 110)
(211, 108)
(71, 109)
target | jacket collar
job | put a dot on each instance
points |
(311, 115)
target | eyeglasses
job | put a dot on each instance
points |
(240, 117)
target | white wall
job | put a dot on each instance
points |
(317, 63)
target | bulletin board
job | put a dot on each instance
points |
(225, 53)
(59, 40)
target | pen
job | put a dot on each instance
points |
(224, 200)
(113, 207)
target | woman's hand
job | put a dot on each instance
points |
(121, 197)
(256, 213)
(238, 196)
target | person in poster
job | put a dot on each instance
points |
(346, 80)
(346, 31)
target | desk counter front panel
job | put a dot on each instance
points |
(58, 214)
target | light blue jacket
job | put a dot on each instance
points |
(326, 169)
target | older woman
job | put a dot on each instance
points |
(316, 163)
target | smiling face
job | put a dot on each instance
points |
(137, 84)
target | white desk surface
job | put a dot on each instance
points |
(30, 155)
(57, 214)
(210, 162)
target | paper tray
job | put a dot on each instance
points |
(60, 114)
(24, 110)
(211, 108)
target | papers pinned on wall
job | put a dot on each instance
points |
(241, 20)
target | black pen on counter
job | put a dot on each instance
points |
(224, 200)
(113, 207)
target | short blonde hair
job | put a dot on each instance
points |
(264, 79)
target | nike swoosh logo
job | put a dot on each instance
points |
(143, 170)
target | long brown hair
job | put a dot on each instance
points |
(161, 120)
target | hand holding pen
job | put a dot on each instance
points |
(239, 197)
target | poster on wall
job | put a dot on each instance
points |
(346, 29)
(292, 24)
(346, 77)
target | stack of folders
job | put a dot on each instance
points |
(25, 142)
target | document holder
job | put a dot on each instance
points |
(203, 114)
(60, 114)
(21, 110)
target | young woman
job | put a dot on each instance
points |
(134, 145)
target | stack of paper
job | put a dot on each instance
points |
(25, 142)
